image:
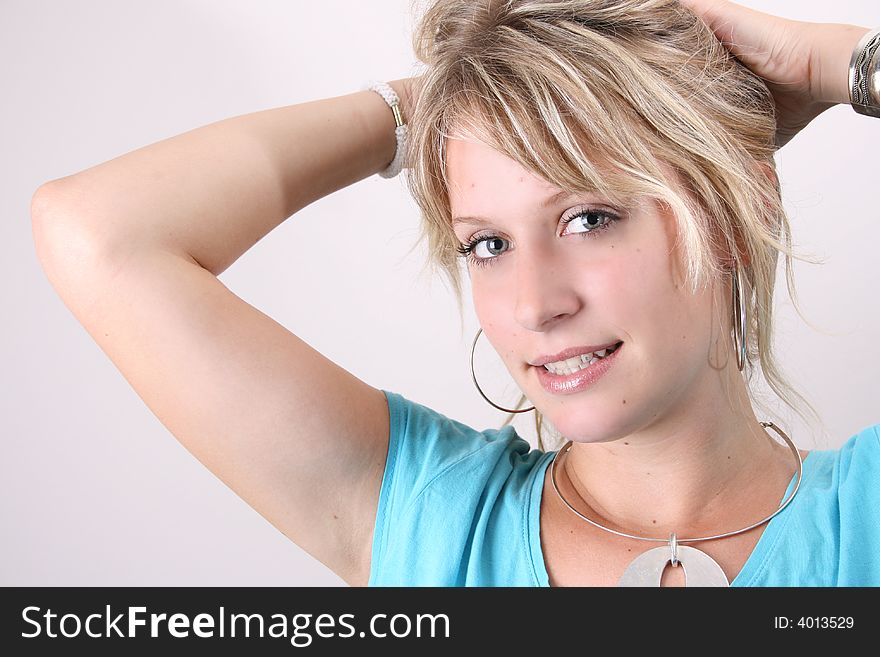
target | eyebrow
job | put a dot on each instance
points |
(547, 202)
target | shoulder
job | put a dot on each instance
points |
(853, 469)
(829, 534)
(444, 483)
(438, 444)
(859, 456)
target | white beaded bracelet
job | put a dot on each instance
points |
(390, 97)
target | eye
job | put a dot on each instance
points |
(478, 248)
(589, 219)
(483, 250)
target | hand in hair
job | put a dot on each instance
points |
(805, 65)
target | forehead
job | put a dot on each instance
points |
(483, 181)
(472, 167)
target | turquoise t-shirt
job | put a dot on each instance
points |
(460, 507)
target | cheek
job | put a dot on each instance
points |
(630, 288)
(488, 307)
(494, 316)
(645, 297)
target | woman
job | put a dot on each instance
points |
(650, 141)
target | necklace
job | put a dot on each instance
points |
(699, 568)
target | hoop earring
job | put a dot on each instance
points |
(739, 318)
(480, 390)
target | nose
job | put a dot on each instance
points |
(545, 290)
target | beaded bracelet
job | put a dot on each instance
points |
(390, 97)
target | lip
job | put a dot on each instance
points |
(571, 353)
(566, 384)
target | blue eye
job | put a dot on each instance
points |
(593, 221)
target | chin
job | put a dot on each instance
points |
(586, 426)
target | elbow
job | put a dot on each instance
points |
(40, 203)
(46, 218)
(62, 243)
(47, 206)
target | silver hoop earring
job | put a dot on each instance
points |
(480, 390)
(739, 318)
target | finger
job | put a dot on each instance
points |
(748, 33)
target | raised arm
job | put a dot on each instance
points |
(213, 192)
(134, 245)
(805, 65)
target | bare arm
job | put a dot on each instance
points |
(214, 192)
(133, 247)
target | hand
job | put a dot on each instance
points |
(805, 65)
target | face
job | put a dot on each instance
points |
(611, 274)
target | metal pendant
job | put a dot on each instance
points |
(699, 568)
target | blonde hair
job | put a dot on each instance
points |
(645, 84)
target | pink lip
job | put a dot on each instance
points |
(571, 353)
(566, 384)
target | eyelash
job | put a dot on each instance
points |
(467, 250)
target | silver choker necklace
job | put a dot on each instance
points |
(700, 569)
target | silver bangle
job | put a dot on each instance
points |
(864, 75)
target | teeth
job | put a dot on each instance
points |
(572, 365)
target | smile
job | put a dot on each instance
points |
(571, 365)
(577, 374)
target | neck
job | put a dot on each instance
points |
(705, 468)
